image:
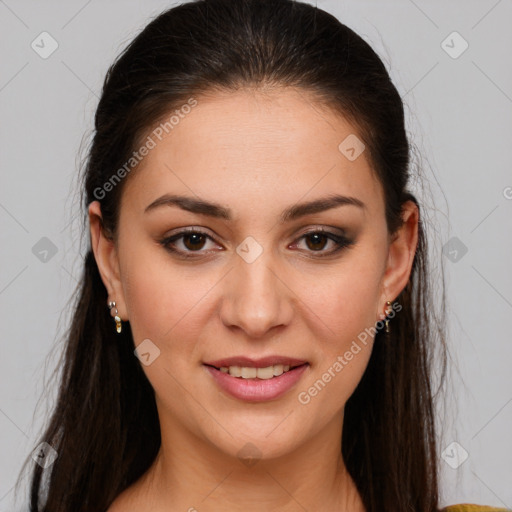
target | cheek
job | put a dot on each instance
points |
(347, 302)
(164, 305)
(346, 318)
(165, 301)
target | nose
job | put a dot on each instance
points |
(256, 297)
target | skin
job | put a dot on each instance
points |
(257, 154)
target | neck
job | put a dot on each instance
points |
(191, 474)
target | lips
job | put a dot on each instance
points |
(256, 389)
(256, 380)
(248, 362)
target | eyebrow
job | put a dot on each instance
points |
(210, 209)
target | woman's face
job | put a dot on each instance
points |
(256, 175)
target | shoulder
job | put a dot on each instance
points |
(467, 507)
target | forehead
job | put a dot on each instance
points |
(278, 145)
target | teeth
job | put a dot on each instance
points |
(246, 372)
(277, 369)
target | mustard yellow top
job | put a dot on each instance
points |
(466, 507)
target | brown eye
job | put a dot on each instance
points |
(188, 242)
(194, 241)
(318, 241)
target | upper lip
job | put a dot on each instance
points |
(264, 362)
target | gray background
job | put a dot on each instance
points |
(459, 113)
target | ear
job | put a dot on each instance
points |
(105, 253)
(401, 255)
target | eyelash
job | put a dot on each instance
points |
(341, 242)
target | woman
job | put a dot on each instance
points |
(253, 329)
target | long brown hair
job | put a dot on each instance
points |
(105, 426)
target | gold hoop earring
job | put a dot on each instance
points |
(388, 304)
(117, 318)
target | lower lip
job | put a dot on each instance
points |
(257, 390)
